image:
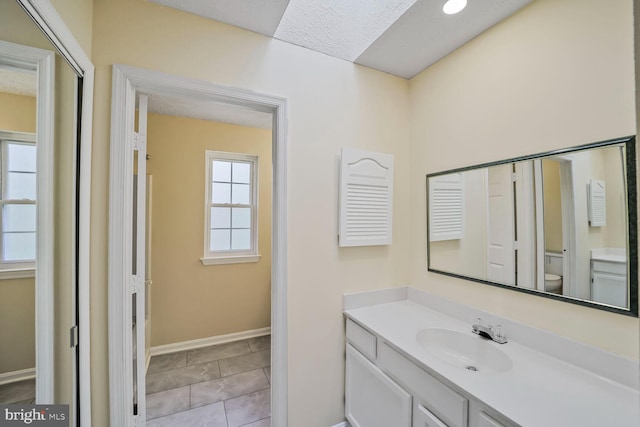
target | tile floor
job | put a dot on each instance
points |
(18, 393)
(226, 385)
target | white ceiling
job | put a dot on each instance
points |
(401, 37)
(209, 110)
(17, 82)
(260, 16)
(424, 34)
(340, 28)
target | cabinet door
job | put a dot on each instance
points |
(422, 417)
(610, 289)
(372, 398)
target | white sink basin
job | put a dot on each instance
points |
(463, 351)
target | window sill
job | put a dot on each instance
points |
(240, 259)
(17, 273)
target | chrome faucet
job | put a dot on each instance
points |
(488, 331)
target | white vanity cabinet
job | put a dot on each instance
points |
(372, 398)
(609, 282)
(384, 388)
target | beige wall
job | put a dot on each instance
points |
(557, 74)
(17, 296)
(17, 325)
(333, 104)
(17, 113)
(190, 300)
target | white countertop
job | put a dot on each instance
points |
(609, 255)
(539, 391)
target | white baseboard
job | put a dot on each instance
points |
(206, 342)
(342, 424)
(15, 376)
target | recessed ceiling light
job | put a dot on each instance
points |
(454, 6)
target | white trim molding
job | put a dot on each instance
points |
(240, 259)
(15, 376)
(126, 82)
(209, 341)
(17, 273)
(47, 18)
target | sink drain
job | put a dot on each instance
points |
(472, 368)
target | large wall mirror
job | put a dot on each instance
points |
(561, 224)
(43, 191)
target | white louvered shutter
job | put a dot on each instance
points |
(597, 203)
(366, 198)
(446, 207)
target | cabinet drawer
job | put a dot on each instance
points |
(372, 398)
(450, 407)
(361, 339)
(610, 267)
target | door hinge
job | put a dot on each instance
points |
(516, 245)
(134, 283)
(73, 336)
(139, 141)
(514, 177)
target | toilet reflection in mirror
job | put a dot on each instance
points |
(554, 223)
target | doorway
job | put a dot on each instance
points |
(208, 302)
(127, 293)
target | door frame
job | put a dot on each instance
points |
(46, 17)
(42, 62)
(126, 81)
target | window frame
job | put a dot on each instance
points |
(231, 256)
(14, 269)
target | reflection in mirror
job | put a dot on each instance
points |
(17, 233)
(38, 142)
(555, 224)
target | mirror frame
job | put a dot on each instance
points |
(46, 17)
(632, 224)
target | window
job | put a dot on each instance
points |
(17, 201)
(230, 208)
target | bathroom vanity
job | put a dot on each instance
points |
(609, 276)
(411, 360)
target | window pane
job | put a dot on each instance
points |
(220, 217)
(241, 239)
(221, 171)
(21, 186)
(241, 217)
(19, 246)
(19, 218)
(241, 194)
(220, 193)
(21, 157)
(241, 172)
(220, 240)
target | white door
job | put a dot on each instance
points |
(138, 290)
(525, 225)
(500, 225)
